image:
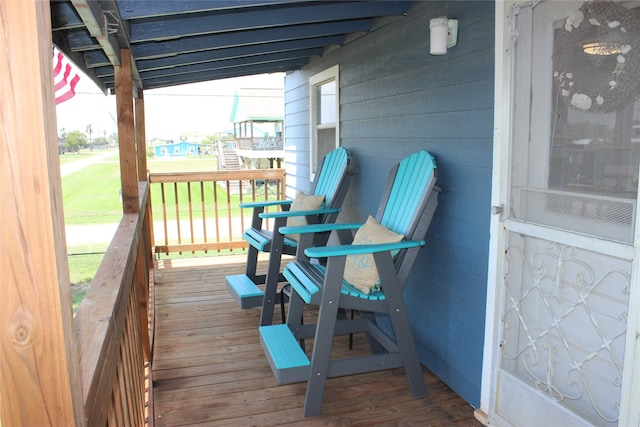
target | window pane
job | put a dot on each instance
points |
(328, 102)
(326, 144)
(326, 141)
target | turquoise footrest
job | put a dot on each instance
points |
(244, 291)
(288, 361)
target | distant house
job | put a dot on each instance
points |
(180, 149)
(258, 125)
(195, 136)
(158, 141)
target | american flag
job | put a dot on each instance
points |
(65, 78)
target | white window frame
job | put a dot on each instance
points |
(315, 81)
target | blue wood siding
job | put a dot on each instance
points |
(396, 99)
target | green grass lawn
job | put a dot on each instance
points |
(92, 195)
(73, 157)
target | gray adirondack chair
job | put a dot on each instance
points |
(408, 205)
(331, 180)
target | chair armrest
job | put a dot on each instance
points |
(317, 228)
(265, 204)
(288, 214)
(342, 250)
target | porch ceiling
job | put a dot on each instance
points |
(188, 41)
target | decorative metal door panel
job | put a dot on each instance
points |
(564, 323)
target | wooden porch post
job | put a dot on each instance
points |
(39, 365)
(141, 149)
(141, 137)
(126, 133)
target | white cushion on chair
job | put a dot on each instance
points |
(303, 202)
(360, 270)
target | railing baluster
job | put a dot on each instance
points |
(204, 214)
(266, 222)
(229, 220)
(190, 213)
(241, 213)
(253, 193)
(164, 215)
(175, 190)
(216, 211)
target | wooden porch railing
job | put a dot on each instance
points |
(113, 329)
(262, 143)
(198, 211)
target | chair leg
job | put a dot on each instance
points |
(406, 345)
(351, 335)
(252, 263)
(323, 340)
(285, 296)
(295, 319)
(320, 359)
(400, 325)
(273, 276)
(283, 316)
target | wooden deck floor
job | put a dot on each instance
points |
(209, 368)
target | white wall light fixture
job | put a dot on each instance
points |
(444, 34)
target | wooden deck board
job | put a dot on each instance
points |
(209, 368)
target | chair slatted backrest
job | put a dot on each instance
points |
(332, 171)
(414, 177)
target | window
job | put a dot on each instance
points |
(324, 107)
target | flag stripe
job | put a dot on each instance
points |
(70, 92)
(65, 78)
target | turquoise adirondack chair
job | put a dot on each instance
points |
(331, 181)
(408, 205)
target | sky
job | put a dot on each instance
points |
(199, 107)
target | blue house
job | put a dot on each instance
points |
(179, 149)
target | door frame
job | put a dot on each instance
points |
(503, 99)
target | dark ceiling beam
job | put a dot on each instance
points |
(225, 73)
(107, 72)
(64, 17)
(151, 8)
(96, 58)
(80, 41)
(238, 52)
(232, 63)
(150, 50)
(238, 20)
